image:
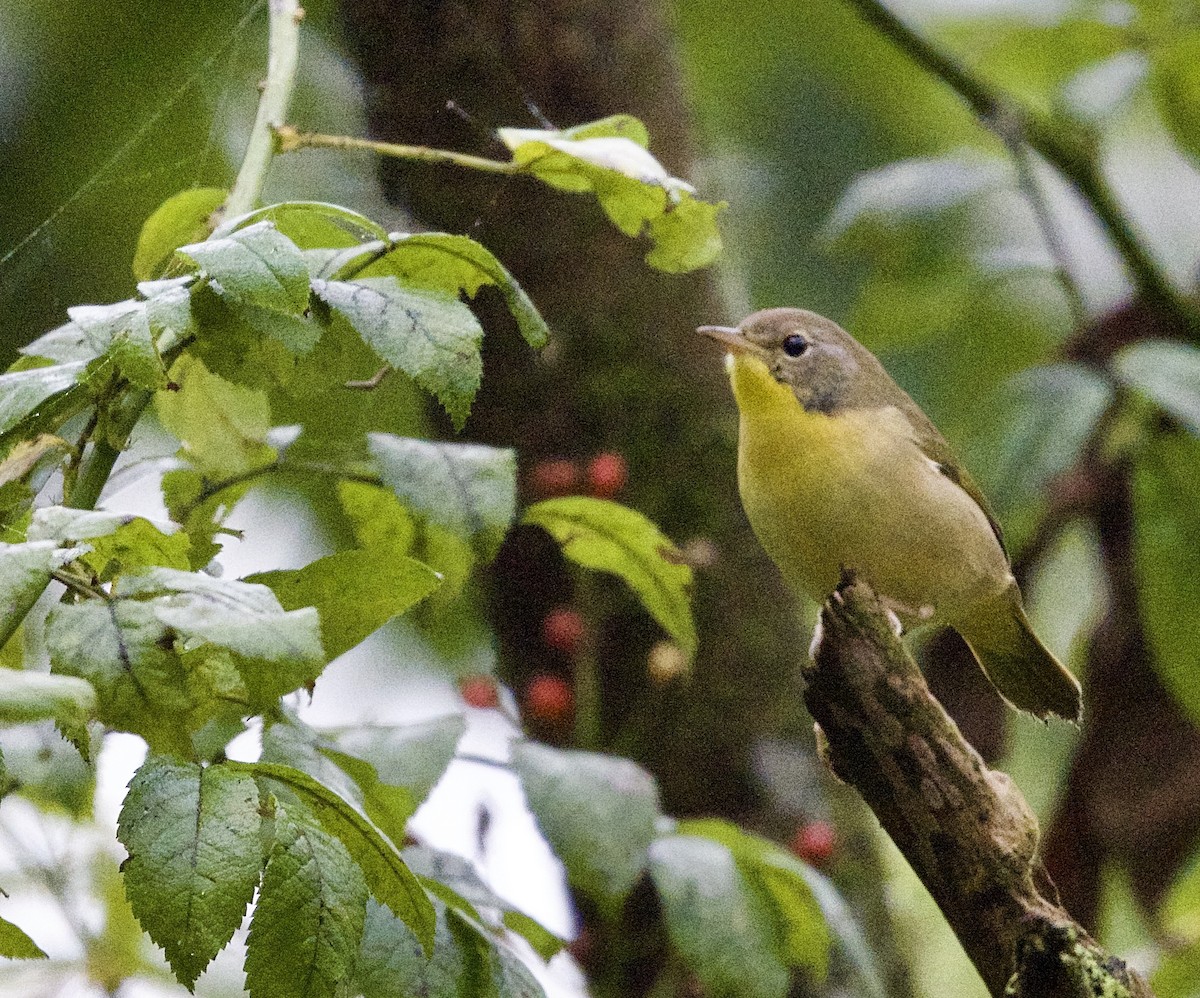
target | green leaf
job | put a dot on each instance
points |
(355, 592)
(257, 265)
(430, 336)
(310, 224)
(913, 188)
(135, 545)
(719, 925)
(16, 945)
(24, 574)
(803, 938)
(195, 851)
(389, 880)
(451, 264)
(609, 158)
(118, 647)
(22, 392)
(182, 218)
(1166, 483)
(392, 963)
(243, 618)
(1168, 374)
(36, 696)
(1175, 86)
(222, 426)
(121, 332)
(469, 489)
(1044, 417)
(597, 812)
(308, 922)
(608, 537)
(410, 757)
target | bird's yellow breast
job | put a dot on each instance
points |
(854, 490)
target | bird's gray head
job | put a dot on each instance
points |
(823, 364)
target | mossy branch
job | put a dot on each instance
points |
(965, 829)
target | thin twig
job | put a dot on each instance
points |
(1068, 148)
(288, 139)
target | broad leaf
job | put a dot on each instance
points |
(1166, 485)
(257, 265)
(222, 426)
(21, 392)
(430, 336)
(122, 333)
(609, 158)
(24, 574)
(1175, 85)
(450, 264)
(355, 592)
(36, 696)
(389, 880)
(469, 489)
(183, 218)
(802, 937)
(598, 813)
(308, 922)
(720, 926)
(309, 224)
(16, 945)
(1168, 374)
(608, 537)
(195, 851)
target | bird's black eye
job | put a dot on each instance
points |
(794, 345)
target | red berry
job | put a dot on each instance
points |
(815, 842)
(558, 477)
(479, 691)
(563, 629)
(550, 699)
(607, 474)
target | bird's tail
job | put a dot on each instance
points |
(1023, 669)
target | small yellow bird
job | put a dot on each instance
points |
(839, 468)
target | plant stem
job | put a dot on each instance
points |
(1067, 148)
(289, 140)
(283, 57)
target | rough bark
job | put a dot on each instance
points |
(964, 828)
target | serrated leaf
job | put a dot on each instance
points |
(310, 224)
(608, 537)
(355, 592)
(183, 218)
(195, 851)
(22, 392)
(1168, 374)
(222, 426)
(389, 880)
(719, 926)
(451, 264)
(802, 936)
(16, 945)
(121, 332)
(392, 963)
(430, 336)
(36, 696)
(169, 311)
(1166, 493)
(469, 489)
(308, 921)
(257, 265)
(135, 545)
(598, 813)
(609, 158)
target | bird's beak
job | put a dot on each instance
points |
(730, 337)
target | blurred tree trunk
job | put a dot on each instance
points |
(624, 372)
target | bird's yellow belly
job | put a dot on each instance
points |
(855, 491)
